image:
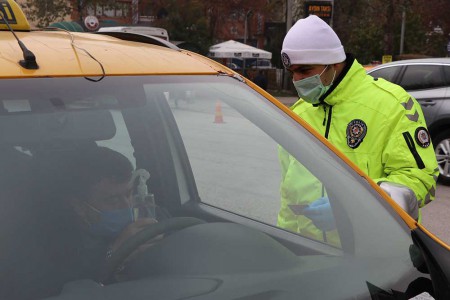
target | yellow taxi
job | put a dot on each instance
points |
(131, 169)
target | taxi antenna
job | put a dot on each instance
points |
(29, 61)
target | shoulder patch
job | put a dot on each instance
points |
(356, 131)
(422, 137)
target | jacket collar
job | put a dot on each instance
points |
(349, 75)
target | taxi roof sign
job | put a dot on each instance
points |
(11, 12)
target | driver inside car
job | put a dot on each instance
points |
(101, 206)
(81, 210)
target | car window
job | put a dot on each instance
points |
(239, 149)
(228, 165)
(388, 73)
(418, 77)
(214, 150)
(447, 74)
(237, 160)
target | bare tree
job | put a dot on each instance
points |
(44, 12)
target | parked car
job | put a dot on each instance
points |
(205, 171)
(147, 30)
(428, 80)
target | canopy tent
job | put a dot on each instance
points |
(233, 49)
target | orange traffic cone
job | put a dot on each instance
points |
(218, 118)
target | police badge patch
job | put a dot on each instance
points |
(356, 131)
(422, 137)
(286, 60)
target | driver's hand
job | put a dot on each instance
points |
(130, 231)
(127, 233)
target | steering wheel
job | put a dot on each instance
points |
(151, 231)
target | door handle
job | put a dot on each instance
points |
(428, 103)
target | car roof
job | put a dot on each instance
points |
(64, 53)
(418, 61)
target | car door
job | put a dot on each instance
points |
(426, 83)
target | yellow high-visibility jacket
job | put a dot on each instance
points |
(378, 126)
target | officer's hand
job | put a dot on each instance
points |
(321, 214)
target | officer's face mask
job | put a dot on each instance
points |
(111, 222)
(311, 89)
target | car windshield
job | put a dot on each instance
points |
(207, 155)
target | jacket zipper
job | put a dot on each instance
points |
(327, 120)
(327, 131)
(412, 147)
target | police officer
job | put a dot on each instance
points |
(375, 123)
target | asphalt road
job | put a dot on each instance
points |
(435, 215)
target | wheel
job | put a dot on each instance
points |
(153, 230)
(442, 149)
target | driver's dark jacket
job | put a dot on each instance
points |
(375, 124)
(59, 256)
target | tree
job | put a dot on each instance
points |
(435, 25)
(80, 6)
(197, 21)
(185, 20)
(45, 12)
(372, 28)
(220, 12)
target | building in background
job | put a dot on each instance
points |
(252, 22)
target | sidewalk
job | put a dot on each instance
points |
(435, 215)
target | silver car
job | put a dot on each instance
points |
(428, 80)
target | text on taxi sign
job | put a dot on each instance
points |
(7, 13)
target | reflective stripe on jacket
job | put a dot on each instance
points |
(378, 126)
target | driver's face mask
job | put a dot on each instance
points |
(311, 89)
(112, 222)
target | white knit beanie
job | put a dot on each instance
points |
(311, 41)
